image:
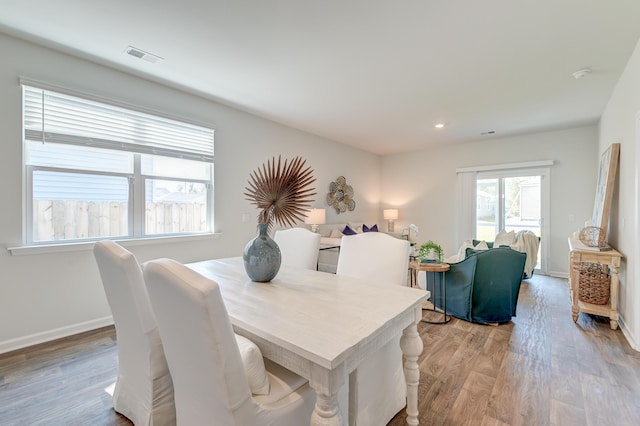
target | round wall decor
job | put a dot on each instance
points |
(340, 196)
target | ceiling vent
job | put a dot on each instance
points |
(487, 133)
(141, 54)
(581, 73)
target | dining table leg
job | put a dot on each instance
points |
(326, 385)
(326, 411)
(411, 345)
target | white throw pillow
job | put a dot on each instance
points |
(336, 233)
(462, 253)
(454, 258)
(504, 238)
(253, 366)
(356, 227)
(482, 245)
(324, 232)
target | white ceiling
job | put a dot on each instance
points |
(375, 74)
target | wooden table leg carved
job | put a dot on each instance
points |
(326, 411)
(412, 346)
(327, 384)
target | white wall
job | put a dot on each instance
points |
(49, 295)
(422, 185)
(620, 123)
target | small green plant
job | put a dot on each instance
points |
(428, 247)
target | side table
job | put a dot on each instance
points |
(610, 258)
(413, 281)
(432, 268)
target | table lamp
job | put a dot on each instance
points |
(390, 215)
(314, 218)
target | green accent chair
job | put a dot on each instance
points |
(484, 287)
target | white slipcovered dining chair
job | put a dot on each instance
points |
(377, 388)
(299, 247)
(210, 381)
(144, 390)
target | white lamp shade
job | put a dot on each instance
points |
(390, 214)
(315, 217)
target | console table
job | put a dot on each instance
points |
(581, 253)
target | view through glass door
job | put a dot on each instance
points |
(511, 202)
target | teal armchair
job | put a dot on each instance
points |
(484, 287)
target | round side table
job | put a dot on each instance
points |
(432, 269)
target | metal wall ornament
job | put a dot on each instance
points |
(340, 196)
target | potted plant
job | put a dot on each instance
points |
(431, 251)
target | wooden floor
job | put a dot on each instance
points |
(540, 369)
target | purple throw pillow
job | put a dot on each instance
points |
(365, 228)
(348, 231)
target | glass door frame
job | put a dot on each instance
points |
(545, 208)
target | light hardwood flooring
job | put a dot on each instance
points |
(539, 369)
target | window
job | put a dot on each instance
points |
(96, 170)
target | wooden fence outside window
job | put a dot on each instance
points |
(56, 220)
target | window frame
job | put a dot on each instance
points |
(140, 214)
(136, 180)
(29, 216)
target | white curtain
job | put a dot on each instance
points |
(466, 206)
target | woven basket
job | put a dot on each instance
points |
(594, 284)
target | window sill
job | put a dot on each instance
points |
(88, 245)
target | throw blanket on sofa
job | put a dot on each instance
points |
(527, 242)
(523, 241)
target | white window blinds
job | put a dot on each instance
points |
(54, 117)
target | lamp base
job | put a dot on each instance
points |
(390, 226)
(314, 228)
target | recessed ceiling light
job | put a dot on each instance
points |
(439, 126)
(141, 54)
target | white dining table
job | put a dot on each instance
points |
(321, 325)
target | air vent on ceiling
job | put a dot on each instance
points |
(490, 132)
(141, 54)
(581, 73)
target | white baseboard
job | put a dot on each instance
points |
(46, 336)
(557, 274)
(627, 334)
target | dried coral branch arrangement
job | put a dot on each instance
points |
(281, 191)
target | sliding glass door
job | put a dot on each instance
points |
(513, 200)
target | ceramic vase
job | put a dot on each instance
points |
(262, 256)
